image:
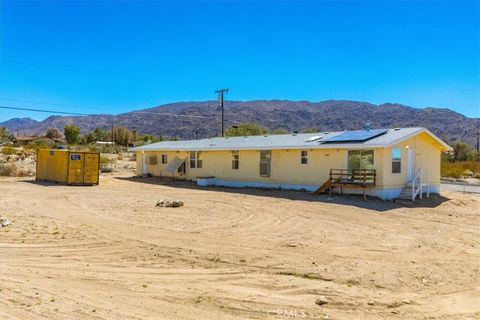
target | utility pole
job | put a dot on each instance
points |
(220, 93)
(112, 131)
(478, 141)
(196, 133)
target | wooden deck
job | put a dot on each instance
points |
(344, 178)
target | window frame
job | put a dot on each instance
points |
(265, 159)
(396, 160)
(195, 161)
(304, 157)
(152, 160)
(164, 158)
(235, 160)
(360, 153)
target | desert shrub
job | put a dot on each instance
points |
(8, 169)
(460, 168)
(105, 160)
(8, 150)
(37, 145)
(25, 173)
(94, 148)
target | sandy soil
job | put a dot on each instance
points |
(107, 252)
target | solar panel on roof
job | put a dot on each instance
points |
(356, 136)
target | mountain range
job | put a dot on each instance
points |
(185, 119)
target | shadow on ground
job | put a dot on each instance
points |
(347, 200)
(46, 183)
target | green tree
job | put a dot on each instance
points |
(99, 135)
(5, 136)
(71, 133)
(310, 130)
(122, 136)
(461, 151)
(246, 129)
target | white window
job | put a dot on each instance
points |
(265, 162)
(164, 159)
(304, 157)
(396, 160)
(235, 160)
(152, 160)
(196, 159)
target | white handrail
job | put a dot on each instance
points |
(417, 180)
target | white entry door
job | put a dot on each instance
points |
(410, 165)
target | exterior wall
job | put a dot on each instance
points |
(427, 155)
(158, 169)
(288, 172)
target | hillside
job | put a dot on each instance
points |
(183, 118)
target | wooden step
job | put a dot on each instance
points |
(323, 187)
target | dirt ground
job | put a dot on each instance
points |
(106, 252)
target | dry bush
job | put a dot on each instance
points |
(8, 169)
(8, 150)
(25, 173)
(459, 169)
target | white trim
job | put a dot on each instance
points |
(423, 130)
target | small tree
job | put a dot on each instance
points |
(461, 151)
(246, 129)
(122, 136)
(71, 133)
(5, 136)
(99, 135)
(53, 133)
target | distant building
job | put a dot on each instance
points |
(105, 143)
(386, 163)
(22, 141)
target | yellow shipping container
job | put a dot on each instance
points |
(70, 167)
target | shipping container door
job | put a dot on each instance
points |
(91, 168)
(76, 168)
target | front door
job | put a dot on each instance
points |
(75, 168)
(410, 165)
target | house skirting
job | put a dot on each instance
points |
(382, 193)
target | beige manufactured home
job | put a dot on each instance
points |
(386, 163)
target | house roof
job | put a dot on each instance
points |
(26, 138)
(292, 141)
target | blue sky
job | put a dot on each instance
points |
(111, 57)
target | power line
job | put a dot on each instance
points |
(45, 111)
(54, 104)
(98, 115)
